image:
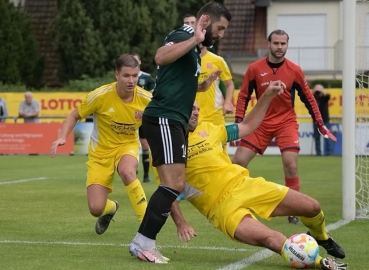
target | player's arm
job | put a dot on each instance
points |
(228, 100)
(184, 231)
(307, 97)
(244, 96)
(168, 54)
(205, 85)
(68, 125)
(254, 118)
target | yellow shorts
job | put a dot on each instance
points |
(245, 196)
(100, 170)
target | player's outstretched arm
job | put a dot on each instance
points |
(205, 85)
(68, 125)
(254, 118)
(184, 231)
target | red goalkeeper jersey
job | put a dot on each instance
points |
(281, 109)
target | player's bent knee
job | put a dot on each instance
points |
(315, 207)
(96, 210)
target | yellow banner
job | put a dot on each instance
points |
(52, 104)
(60, 104)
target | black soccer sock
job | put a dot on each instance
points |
(145, 163)
(157, 211)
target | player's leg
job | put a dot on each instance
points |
(255, 233)
(168, 143)
(251, 145)
(287, 138)
(311, 216)
(100, 175)
(127, 159)
(145, 155)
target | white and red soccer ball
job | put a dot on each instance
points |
(301, 250)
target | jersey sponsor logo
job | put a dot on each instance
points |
(263, 74)
(209, 65)
(203, 133)
(111, 109)
(138, 114)
(122, 128)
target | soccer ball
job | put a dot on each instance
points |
(301, 250)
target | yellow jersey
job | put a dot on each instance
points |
(115, 122)
(211, 100)
(208, 169)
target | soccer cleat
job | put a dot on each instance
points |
(293, 220)
(331, 264)
(153, 255)
(146, 180)
(103, 222)
(331, 247)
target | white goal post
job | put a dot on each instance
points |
(355, 109)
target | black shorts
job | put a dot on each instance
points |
(141, 134)
(168, 140)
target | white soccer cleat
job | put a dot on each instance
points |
(153, 255)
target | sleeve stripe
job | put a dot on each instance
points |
(98, 93)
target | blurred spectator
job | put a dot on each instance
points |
(29, 109)
(322, 98)
(145, 80)
(3, 110)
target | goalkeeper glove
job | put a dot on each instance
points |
(324, 131)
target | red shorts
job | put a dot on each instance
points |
(287, 138)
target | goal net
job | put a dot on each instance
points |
(362, 109)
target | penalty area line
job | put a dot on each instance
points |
(266, 253)
(22, 180)
(122, 245)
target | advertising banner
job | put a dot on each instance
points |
(32, 138)
(58, 104)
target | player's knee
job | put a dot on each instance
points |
(127, 174)
(315, 207)
(95, 209)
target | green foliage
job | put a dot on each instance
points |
(20, 60)
(87, 84)
(79, 44)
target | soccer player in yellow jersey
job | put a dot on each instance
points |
(229, 198)
(117, 110)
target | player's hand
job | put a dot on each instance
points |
(201, 25)
(324, 131)
(55, 145)
(185, 232)
(228, 108)
(205, 85)
(275, 88)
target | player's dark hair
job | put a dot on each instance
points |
(126, 60)
(215, 10)
(188, 15)
(277, 32)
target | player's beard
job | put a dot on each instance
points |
(277, 56)
(208, 40)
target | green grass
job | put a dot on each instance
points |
(45, 223)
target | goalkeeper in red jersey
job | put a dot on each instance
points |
(280, 120)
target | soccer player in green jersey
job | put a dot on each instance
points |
(166, 117)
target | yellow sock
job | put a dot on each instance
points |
(316, 225)
(317, 262)
(109, 207)
(282, 250)
(137, 197)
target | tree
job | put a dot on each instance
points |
(81, 49)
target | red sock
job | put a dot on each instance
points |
(293, 183)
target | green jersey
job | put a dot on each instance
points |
(177, 82)
(145, 81)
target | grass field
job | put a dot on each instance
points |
(45, 223)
